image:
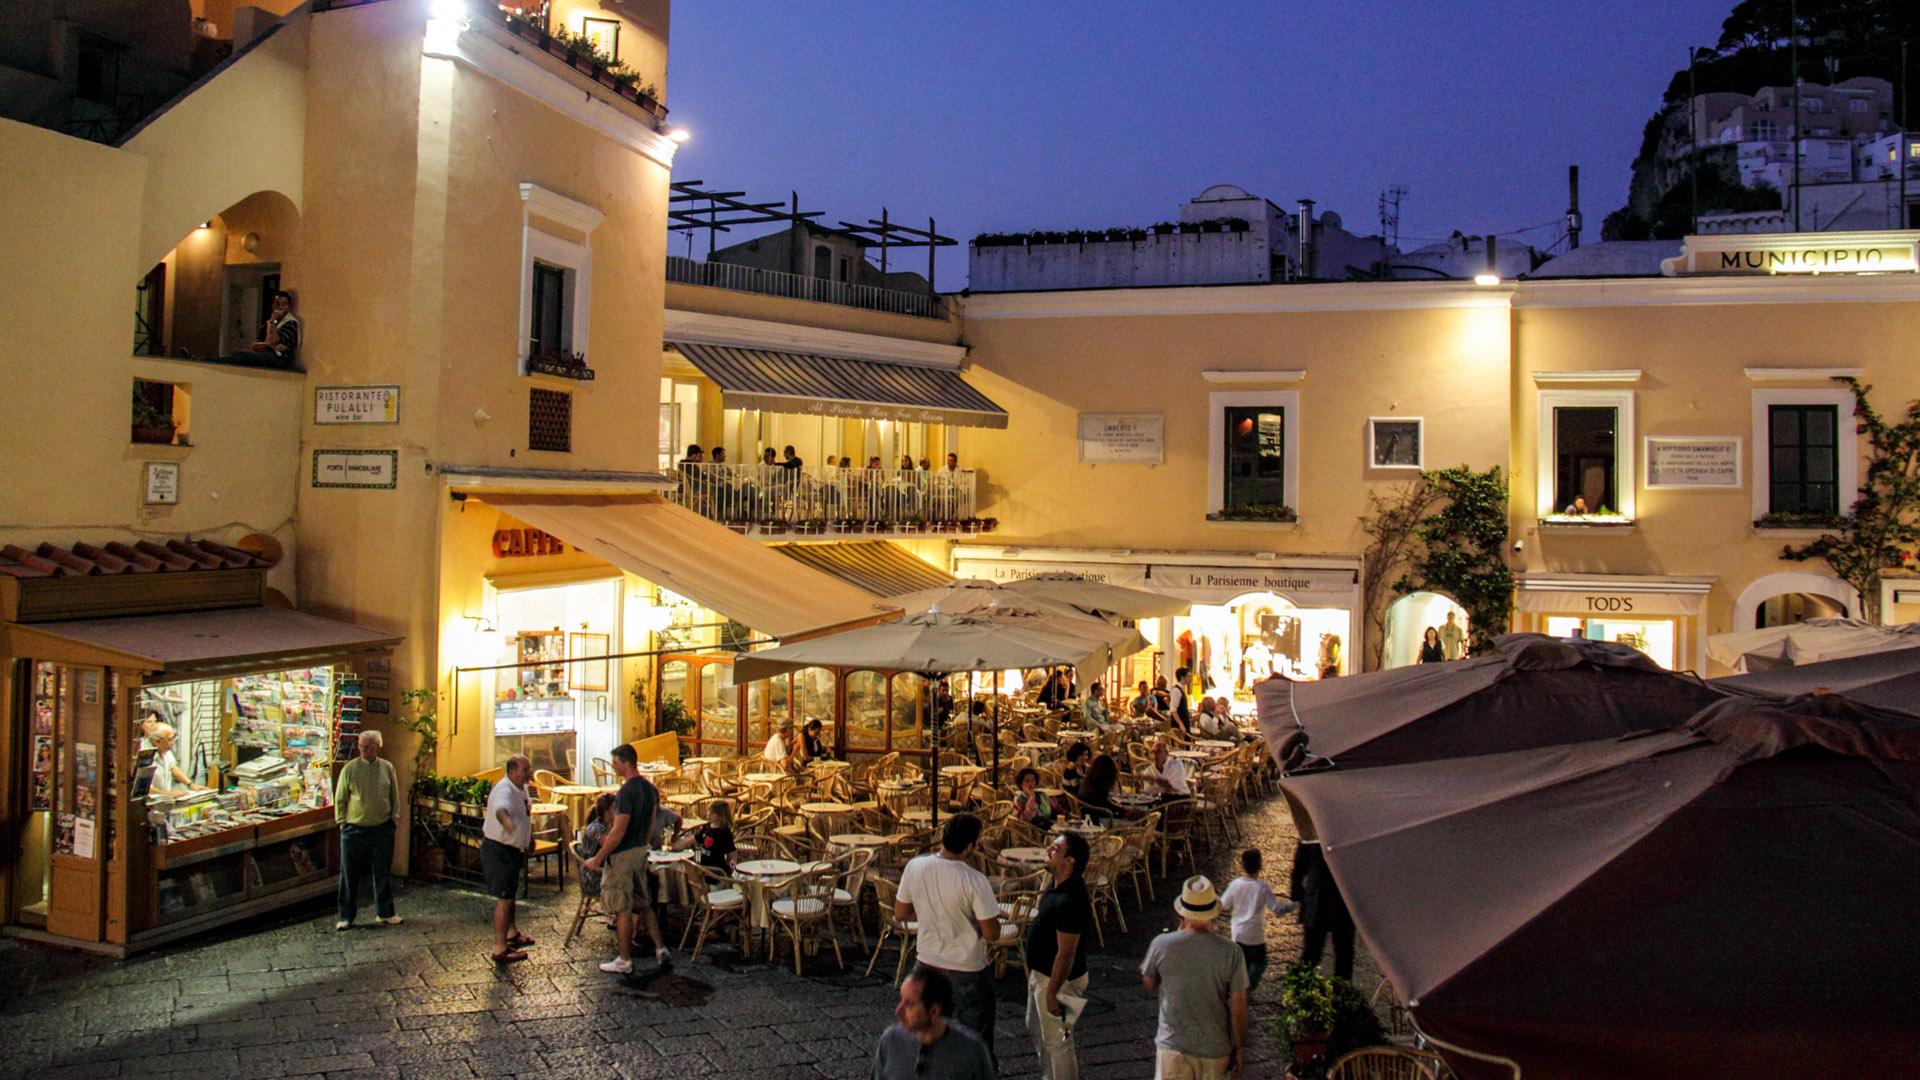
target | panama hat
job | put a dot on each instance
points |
(1197, 899)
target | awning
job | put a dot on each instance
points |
(836, 386)
(197, 644)
(876, 566)
(677, 549)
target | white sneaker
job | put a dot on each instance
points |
(343, 925)
(393, 920)
(617, 966)
(664, 958)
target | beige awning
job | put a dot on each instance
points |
(677, 549)
(197, 644)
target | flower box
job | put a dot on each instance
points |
(582, 62)
(606, 78)
(943, 526)
(810, 528)
(159, 435)
(558, 48)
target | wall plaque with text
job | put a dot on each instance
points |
(1687, 462)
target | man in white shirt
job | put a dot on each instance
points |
(780, 747)
(168, 776)
(958, 915)
(1167, 776)
(1248, 900)
(1453, 638)
(506, 837)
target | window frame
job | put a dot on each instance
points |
(1288, 403)
(1846, 444)
(1546, 458)
(574, 259)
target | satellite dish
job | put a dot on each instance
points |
(264, 547)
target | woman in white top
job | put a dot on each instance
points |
(1248, 900)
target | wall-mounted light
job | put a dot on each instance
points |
(486, 642)
(678, 134)
(655, 617)
(448, 10)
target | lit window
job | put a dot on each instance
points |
(1254, 465)
(1586, 453)
(555, 273)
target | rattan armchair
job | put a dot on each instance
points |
(1386, 1063)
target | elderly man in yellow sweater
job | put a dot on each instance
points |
(365, 799)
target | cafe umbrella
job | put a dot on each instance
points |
(936, 643)
(1890, 680)
(1729, 899)
(1808, 642)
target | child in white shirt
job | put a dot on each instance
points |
(1247, 899)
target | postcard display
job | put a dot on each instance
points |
(264, 747)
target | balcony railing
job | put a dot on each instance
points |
(816, 500)
(800, 287)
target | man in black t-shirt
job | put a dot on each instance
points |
(1056, 964)
(624, 887)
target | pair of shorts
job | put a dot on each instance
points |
(500, 867)
(624, 884)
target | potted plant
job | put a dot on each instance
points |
(1322, 1018)
(1238, 224)
(943, 526)
(1256, 512)
(151, 424)
(970, 526)
(988, 524)
(914, 525)
(880, 526)
(773, 525)
(811, 527)
(1164, 228)
(844, 525)
(675, 717)
(559, 42)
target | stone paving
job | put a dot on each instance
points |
(289, 997)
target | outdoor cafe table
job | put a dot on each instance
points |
(1190, 755)
(1216, 745)
(1038, 749)
(1072, 736)
(754, 876)
(696, 767)
(832, 811)
(919, 815)
(687, 800)
(1084, 828)
(673, 882)
(579, 800)
(1023, 858)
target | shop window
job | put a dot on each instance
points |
(550, 421)
(1254, 455)
(1806, 455)
(908, 712)
(160, 413)
(813, 693)
(1586, 455)
(866, 711)
(556, 274)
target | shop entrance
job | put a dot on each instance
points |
(1408, 620)
(1655, 637)
(557, 706)
(1789, 608)
(1251, 637)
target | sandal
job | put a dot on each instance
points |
(520, 941)
(508, 957)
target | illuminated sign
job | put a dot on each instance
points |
(1798, 253)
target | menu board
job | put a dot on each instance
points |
(533, 716)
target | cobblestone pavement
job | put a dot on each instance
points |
(421, 1001)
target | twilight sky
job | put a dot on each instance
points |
(994, 115)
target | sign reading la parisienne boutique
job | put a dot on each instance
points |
(1798, 253)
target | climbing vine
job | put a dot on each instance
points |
(1390, 524)
(1881, 530)
(1462, 550)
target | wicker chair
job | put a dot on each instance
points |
(851, 866)
(603, 774)
(1102, 875)
(1016, 915)
(1177, 818)
(1384, 1063)
(713, 898)
(908, 930)
(803, 907)
(1399, 1023)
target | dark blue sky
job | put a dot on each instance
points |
(1059, 114)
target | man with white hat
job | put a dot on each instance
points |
(1202, 980)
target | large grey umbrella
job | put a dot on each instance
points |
(1890, 680)
(936, 643)
(1808, 642)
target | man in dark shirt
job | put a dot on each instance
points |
(625, 888)
(1056, 964)
(924, 1044)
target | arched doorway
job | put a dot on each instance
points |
(1407, 621)
(1792, 597)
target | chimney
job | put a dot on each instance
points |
(1573, 207)
(1306, 238)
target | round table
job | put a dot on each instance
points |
(1081, 827)
(1190, 755)
(919, 815)
(1036, 749)
(1214, 744)
(654, 768)
(687, 800)
(1067, 735)
(834, 812)
(1025, 858)
(754, 876)
(579, 800)
(844, 841)
(672, 884)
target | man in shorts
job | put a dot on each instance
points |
(622, 862)
(507, 835)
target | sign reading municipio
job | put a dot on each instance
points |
(355, 468)
(1684, 462)
(1122, 439)
(356, 405)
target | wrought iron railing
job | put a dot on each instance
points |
(816, 499)
(800, 287)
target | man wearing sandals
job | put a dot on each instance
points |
(507, 836)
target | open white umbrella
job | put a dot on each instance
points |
(1808, 642)
(969, 595)
(1099, 598)
(935, 643)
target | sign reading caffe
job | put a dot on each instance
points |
(1798, 253)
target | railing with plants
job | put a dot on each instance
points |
(580, 53)
(800, 287)
(815, 500)
(1124, 234)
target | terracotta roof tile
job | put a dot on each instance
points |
(142, 557)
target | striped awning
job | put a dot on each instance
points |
(876, 566)
(837, 386)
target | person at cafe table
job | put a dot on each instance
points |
(1167, 776)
